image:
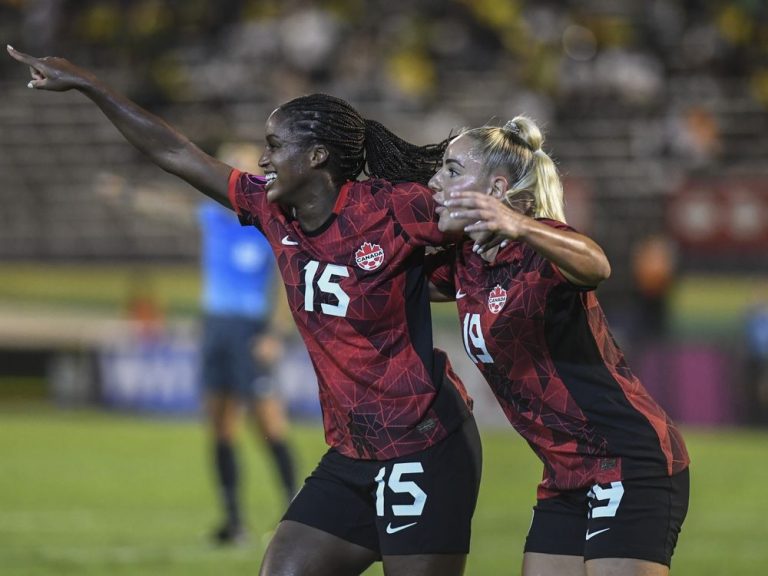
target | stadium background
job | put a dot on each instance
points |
(657, 113)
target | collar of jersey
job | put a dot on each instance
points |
(341, 199)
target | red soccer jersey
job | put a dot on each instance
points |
(544, 347)
(360, 300)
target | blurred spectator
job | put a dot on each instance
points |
(240, 347)
(308, 38)
(756, 376)
(695, 136)
(143, 308)
(653, 269)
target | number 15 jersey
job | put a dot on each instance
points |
(360, 300)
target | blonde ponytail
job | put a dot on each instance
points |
(540, 177)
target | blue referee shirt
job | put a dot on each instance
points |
(237, 265)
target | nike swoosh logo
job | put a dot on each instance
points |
(286, 241)
(391, 530)
(593, 534)
(460, 294)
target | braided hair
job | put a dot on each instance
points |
(354, 142)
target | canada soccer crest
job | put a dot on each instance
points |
(369, 256)
(496, 299)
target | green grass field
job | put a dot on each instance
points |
(92, 493)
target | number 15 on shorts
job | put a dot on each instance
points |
(398, 485)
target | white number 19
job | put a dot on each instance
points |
(474, 340)
(613, 494)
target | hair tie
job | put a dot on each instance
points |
(511, 126)
(513, 131)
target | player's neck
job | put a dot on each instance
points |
(316, 207)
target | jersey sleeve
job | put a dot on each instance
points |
(248, 197)
(439, 267)
(414, 209)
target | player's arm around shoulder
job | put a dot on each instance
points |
(165, 146)
(579, 258)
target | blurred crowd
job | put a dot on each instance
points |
(667, 88)
(412, 52)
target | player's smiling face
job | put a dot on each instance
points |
(462, 170)
(285, 160)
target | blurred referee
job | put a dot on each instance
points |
(239, 348)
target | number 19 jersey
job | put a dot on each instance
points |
(544, 347)
(358, 295)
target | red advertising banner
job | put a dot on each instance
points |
(722, 214)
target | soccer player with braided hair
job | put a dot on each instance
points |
(614, 492)
(400, 480)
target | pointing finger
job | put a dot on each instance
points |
(20, 56)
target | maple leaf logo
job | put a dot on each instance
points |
(496, 299)
(369, 256)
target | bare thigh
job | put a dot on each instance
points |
(300, 550)
(537, 564)
(625, 567)
(223, 412)
(425, 565)
(269, 416)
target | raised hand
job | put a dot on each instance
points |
(51, 73)
(495, 222)
(161, 142)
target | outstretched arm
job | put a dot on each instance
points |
(165, 146)
(578, 257)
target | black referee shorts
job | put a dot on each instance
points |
(421, 503)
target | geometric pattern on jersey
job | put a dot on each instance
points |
(556, 370)
(384, 391)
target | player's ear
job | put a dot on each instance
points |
(318, 156)
(499, 186)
